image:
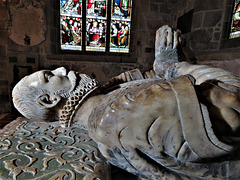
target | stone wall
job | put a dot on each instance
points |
(4, 88)
(206, 42)
(207, 25)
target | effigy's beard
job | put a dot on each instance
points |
(77, 83)
(83, 88)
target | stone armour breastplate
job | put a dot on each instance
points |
(149, 117)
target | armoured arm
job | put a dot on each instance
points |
(203, 73)
(168, 66)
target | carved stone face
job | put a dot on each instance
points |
(35, 95)
(52, 81)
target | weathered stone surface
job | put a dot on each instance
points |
(142, 22)
(164, 9)
(4, 15)
(202, 36)
(3, 25)
(212, 18)
(154, 9)
(158, 1)
(14, 47)
(154, 24)
(3, 51)
(3, 74)
(207, 5)
(214, 45)
(201, 39)
(216, 36)
(197, 20)
(3, 82)
(4, 90)
(34, 20)
(142, 5)
(228, 12)
(32, 150)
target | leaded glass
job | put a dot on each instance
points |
(96, 34)
(71, 24)
(86, 25)
(235, 26)
(96, 22)
(120, 25)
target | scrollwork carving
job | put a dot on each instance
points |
(34, 150)
(5, 144)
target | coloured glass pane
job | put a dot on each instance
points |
(71, 7)
(120, 26)
(95, 27)
(71, 24)
(96, 22)
(96, 8)
(235, 27)
(96, 35)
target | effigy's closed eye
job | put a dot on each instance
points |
(48, 76)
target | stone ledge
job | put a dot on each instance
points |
(90, 58)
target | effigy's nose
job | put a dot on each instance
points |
(61, 71)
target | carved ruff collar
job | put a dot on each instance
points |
(85, 87)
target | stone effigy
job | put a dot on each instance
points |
(182, 122)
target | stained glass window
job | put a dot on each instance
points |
(71, 24)
(235, 25)
(95, 25)
(120, 25)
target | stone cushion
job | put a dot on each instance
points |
(39, 150)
